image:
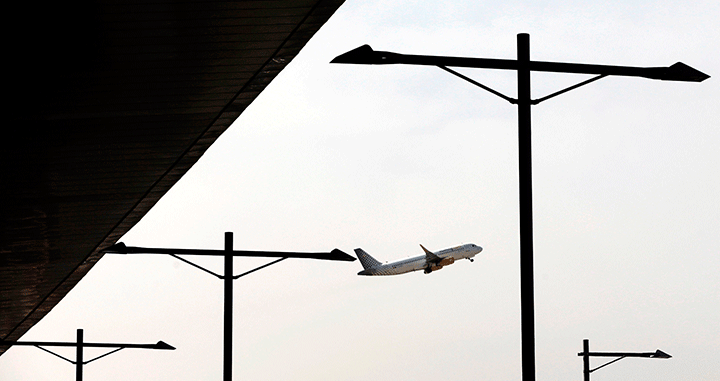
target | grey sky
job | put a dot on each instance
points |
(627, 214)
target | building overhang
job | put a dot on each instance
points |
(110, 104)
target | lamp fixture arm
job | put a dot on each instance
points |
(55, 354)
(221, 276)
(101, 356)
(573, 87)
(197, 266)
(607, 363)
(513, 100)
(478, 84)
(259, 268)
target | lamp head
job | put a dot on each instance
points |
(660, 355)
(681, 72)
(340, 255)
(163, 345)
(365, 55)
(118, 248)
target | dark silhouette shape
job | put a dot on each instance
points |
(365, 55)
(228, 253)
(586, 354)
(523, 65)
(79, 344)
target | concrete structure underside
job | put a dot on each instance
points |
(111, 102)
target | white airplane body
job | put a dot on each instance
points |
(429, 262)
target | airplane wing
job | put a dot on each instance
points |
(429, 256)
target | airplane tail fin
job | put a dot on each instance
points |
(367, 261)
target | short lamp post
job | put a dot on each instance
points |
(228, 253)
(80, 344)
(365, 55)
(586, 354)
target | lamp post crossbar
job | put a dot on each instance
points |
(676, 72)
(158, 345)
(656, 354)
(365, 55)
(334, 255)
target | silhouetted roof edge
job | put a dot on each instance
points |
(301, 34)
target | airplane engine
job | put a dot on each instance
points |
(430, 269)
(446, 261)
(439, 265)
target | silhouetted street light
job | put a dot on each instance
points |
(365, 55)
(228, 277)
(80, 345)
(586, 354)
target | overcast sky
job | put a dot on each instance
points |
(626, 211)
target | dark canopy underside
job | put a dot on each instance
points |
(110, 103)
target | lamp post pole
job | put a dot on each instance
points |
(227, 277)
(586, 354)
(365, 55)
(80, 345)
(586, 360)
(527, 294)
(227, 324)
(79, 356)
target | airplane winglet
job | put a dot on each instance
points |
(425, 250)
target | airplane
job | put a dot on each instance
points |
(429, 262)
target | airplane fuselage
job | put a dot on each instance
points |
(428, 262)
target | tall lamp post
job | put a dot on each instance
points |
(80, 344)
(228, 253)
(586, 354)
(523, 65)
